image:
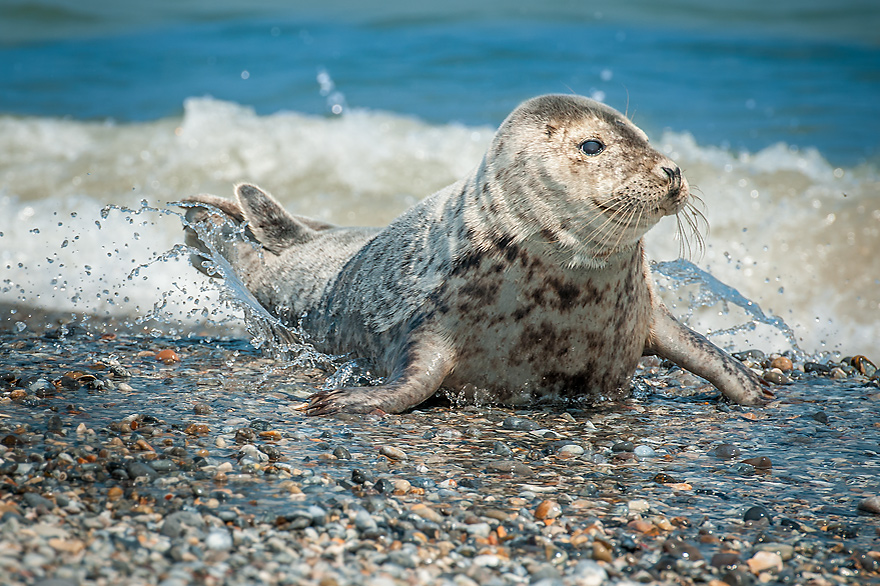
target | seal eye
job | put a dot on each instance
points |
(591, 147)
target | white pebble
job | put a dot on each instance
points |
(479, 529)
(644, 451)
(638, 506)
(487, 560)
(570, 451)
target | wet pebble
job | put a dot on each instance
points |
(520, 424)
(728, 560)
(782, 363)
(643, 451)
(392, 453)
(838, 373)
(752, 355)
(783, 550)
(509, 467)
(623, 447)
(548, 509)
(820, 416)
(197, 429)
(759, 462)
(776, 376)
(817, 367)
(501, 449)
(570, 451)
(757, 513)
(763, 561)
(167, 356)
(870, 505)
(863, 365)
(365, 522)
(201, 408)
(677, 548)
(726, 451)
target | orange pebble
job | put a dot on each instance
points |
(782, 363)
(548, 510)
(168, 356)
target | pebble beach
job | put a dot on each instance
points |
(133, 459)
(145, 438)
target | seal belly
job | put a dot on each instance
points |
(537, 332)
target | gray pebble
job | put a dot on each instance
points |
(588, 573)
(509, 467)
(138, 469)
(623, 447)
(179, 522)
(870, 505)
(520, 424)
(34, 500)
(501, 449)
(726, 451)
(364, 521)
(643, 451)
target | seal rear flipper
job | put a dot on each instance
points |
(421, 372)
(671, 340)
(273, 226)
(204, 223)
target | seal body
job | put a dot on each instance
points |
(524, 282)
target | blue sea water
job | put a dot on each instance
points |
(739, 75)
(351, 111)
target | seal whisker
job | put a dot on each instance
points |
(601, 234)
(693, 217)
(629, 223)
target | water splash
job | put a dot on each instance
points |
(354, 373)
(711, 291)
(268, 333)
(335, 99)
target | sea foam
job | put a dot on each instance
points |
(788, 230)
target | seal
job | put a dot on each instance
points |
(525, 282)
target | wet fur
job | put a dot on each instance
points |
(524, 282)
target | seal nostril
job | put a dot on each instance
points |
(674, 178)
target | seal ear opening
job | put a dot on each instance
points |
(271, 224)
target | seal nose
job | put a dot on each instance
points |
(674, 176)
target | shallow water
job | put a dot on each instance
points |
(106, 106)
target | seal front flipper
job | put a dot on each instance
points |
(688, 349)
(425, 363)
